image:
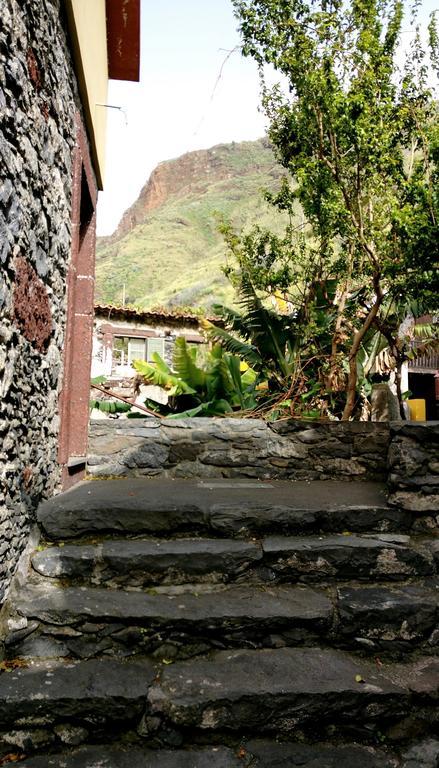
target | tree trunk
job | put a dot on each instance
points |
(352, 386)
(398, 366)
(358, 338)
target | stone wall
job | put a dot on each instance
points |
(405, 455)
(414, 468)
(38, 102)
(203, 447)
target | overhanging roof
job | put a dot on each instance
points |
(173, 317)
(123, 39)
(105, 43)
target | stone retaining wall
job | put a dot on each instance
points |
(38, 102)
(203, 447)
(413, 462)
(404, 455)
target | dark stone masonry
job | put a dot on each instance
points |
(183, 622)
(222, 592)
(204, 447)
(413, 462)
(38, 102)
(405, 455)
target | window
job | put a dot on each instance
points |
(136, 350)
(120, 351)
(126, 349)
(155, 345)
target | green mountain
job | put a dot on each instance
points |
(167, 250)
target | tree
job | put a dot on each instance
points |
(358, 133)
(290, 343)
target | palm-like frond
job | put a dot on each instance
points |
(234, 321)
(427, 346)
(218, 380)
(270, 332)
(233, 365)
(245, 351)
(160, 363)
(428, 332)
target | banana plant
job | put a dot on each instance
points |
(287, 351)
(267, 341)
(215, 390)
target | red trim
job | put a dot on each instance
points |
(75, 394)
(123, 39)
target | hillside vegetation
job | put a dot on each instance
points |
(167, 250)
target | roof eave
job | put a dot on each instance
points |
(123, 39)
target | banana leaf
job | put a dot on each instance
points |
(161, 378)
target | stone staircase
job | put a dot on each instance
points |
(224, 624)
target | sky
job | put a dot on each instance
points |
(179, 104)
(170, 112)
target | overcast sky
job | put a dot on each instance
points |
(171, 111)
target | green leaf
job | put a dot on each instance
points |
(160, 363)
(161, 378)
(185, 366)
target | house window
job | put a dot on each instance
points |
(126, 349)
(136, 350)
(155, 345)
(120, 351)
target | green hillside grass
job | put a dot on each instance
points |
(174, 257)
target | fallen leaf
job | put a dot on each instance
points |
(10, 664)
(167, 661)
(359, 679)
(242, 752)
(13, 757)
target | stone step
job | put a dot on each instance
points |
(253, 754)
(93, 694)
(296, 693)
(387, 557)
(227, 508)
(125, 562)
(85, 622)
(291, 693)
(392, 620)
(140, 563)
(131, 757)
(173, 623)
(269, 754)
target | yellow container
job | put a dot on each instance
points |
(417, 410)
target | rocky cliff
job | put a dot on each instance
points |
(193, 173)
(166, 248)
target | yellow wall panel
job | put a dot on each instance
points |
(88, 30)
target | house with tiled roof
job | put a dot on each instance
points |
(124, 334)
